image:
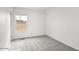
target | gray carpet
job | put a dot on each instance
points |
(40, 43)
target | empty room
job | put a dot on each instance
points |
(39, 28)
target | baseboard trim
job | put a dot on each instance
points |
(27, 37)
(3, 49)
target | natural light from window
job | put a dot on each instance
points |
(21, 23)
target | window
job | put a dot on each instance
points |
(21, 23)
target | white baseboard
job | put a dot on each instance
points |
(28, 37)
(3, 49)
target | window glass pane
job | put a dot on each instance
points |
(17, 17)
(24, 18)
(21, 23)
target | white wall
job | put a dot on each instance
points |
(35, 23)
(4, 27)
(62, 24)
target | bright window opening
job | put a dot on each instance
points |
(21, 23)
